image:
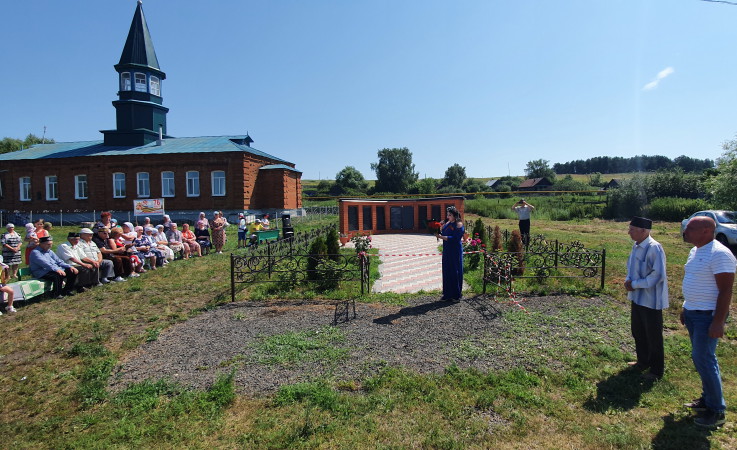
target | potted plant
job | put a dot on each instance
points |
(344, 239)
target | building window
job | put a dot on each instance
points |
(25, 189)
(144, 188)
(141, 82)
(125, 81)
(193, 184)
(80, 187)
(118, 185)
(52, 192)
(167, 184)
(218, 183)
(155, 86)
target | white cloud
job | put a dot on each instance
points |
(661, 75)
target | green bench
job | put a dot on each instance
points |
(27, 287)
(266, 235)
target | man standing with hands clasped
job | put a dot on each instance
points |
(647, 289)
(707, 293)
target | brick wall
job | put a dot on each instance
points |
(241, 176)
(415, 204)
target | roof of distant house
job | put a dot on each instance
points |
(531, 182)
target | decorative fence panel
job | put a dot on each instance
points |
(545, 259)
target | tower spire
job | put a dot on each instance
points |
(139, 112)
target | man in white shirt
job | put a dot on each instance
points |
(707, 293)
(647, 288)
(523, 210)
(242, 227)
(70, 253)
(91, 255)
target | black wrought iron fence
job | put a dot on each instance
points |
(298, 268)
(545, 259)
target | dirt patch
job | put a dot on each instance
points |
(425, 336)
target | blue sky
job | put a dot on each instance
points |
(489, 85)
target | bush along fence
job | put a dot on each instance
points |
(293, 261)
(543, 259)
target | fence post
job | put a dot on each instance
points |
(61, 218)
(268, 258)
(603, 267)
(232, 278)
(556, 254)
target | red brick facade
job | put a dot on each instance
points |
(359, 216)
(246, 186)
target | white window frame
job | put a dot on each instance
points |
(155, 85)
(140, 87)
(125, 81)
(193, 183)
(81, 187)
(218, 183)
(25, 189)
(52, 187)
(167, 182)
(143, 184)
(118, 185)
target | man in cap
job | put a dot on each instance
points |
(242, 227)
(45, 265)
(265, 222)
(647, 288)
(707, 293)
(523, 211)
(91, 254)
(70, 253)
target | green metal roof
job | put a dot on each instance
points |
(203, 144)
(139, 48)
(278, 166)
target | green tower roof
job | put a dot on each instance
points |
(139, 48)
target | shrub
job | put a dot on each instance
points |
(333, 246)
(674, 209)
(497, 239)
(627, 200)
(515, 245)
(318, 251)
(479, 232)
(327, 275)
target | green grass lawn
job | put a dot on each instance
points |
(57, 356)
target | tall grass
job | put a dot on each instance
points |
(674, 209)
(559, 207)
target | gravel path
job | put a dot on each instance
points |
(426, 336)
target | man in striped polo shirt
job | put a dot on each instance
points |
(707, 293)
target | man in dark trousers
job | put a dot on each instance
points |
(45, 265)
(647, 288)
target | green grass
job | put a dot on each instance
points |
(568, 389)
(296, 347)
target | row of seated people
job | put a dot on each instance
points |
(90, 259)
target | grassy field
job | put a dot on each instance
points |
(58, 355)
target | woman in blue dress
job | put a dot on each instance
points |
(452, 234)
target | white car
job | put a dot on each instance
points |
(726, 231)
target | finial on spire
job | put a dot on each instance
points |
(140, 2)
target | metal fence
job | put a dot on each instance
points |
(545, 259)
(68, 218)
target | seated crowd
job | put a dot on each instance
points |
(109, 252)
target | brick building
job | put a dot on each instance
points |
(375, 216)
(138, 160)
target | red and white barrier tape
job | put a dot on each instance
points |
(421, 254)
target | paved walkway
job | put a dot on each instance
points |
(404, 274)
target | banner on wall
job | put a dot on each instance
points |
(149, 206)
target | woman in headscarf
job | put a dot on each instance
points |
(31, 239)
(218, 231)
(11, 243)
(202, 220)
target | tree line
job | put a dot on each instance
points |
(8, 144)
(642, 163)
